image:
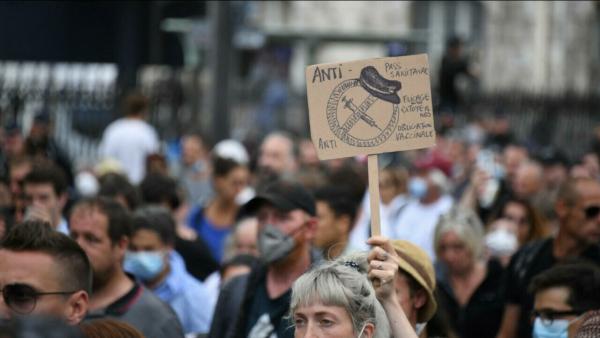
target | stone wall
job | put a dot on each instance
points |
(531, 46)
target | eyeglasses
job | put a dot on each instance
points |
(548, 316)
(592, 211)
(22, 298)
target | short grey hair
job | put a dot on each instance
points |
(342, 283)
(466, 225)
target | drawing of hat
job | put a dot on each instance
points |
(379, 86)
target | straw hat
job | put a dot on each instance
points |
(415, 262)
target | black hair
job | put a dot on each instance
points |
(157, 219)
(158, 189)
(135, 103)
(339, 199)
(223, 166)
(48, 173)
(119, 219)
(38, 236)
(581, 277)
(113, 185)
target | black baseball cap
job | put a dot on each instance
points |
(283, 195)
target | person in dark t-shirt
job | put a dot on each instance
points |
(578, 211)
(258, 302)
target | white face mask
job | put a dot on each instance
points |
(559, 328)
(501, 242)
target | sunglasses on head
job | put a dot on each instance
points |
(22, 298)
(592, 211)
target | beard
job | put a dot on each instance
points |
(101, 277)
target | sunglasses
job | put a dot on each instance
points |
(592, 211)
(22, 298)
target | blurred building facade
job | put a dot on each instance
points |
(237, 67)
(537, 46)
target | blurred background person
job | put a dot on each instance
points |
(454, 65)
(103, 229)
(394, 196)
(45, 191)
(562, 295)
(214, 221)
(416, 223)
(40, 143)
(470, 288)
(131, 139)
(116, 186)
(153, 260)
(530, 223)
(277, 159)
(194, 172)
(336, 211)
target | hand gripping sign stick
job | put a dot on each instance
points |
(335, 88)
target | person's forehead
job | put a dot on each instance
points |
(277, 143)
(554, 298)
(146, 237)
(247, 226)
(89, 219)
(318, 308)
(37, 269)
(323, 207)
(589, 192)
(41, 187)
(450, 236)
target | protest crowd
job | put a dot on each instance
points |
(482, 236)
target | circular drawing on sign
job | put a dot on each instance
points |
(364, 112)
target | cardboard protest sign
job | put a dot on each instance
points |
(370, 106)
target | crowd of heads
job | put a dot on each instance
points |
(227, 210)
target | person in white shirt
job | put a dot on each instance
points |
(394, 197)
(130, 139)
(416, 223)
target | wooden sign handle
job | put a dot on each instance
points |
(373, 168)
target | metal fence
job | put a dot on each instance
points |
(81, 100)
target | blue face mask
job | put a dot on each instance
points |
(417, 187)
(145, 265)
(559, 328)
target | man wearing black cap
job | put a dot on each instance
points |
(287, 226)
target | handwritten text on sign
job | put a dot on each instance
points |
(370, 106)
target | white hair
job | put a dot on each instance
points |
(466, 225)
(342, 283)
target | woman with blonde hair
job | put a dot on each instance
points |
(469, 286)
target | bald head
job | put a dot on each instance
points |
(528, 180)
(278, 154)
(573, 189)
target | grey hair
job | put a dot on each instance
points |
(466, 225)
(344, 283)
